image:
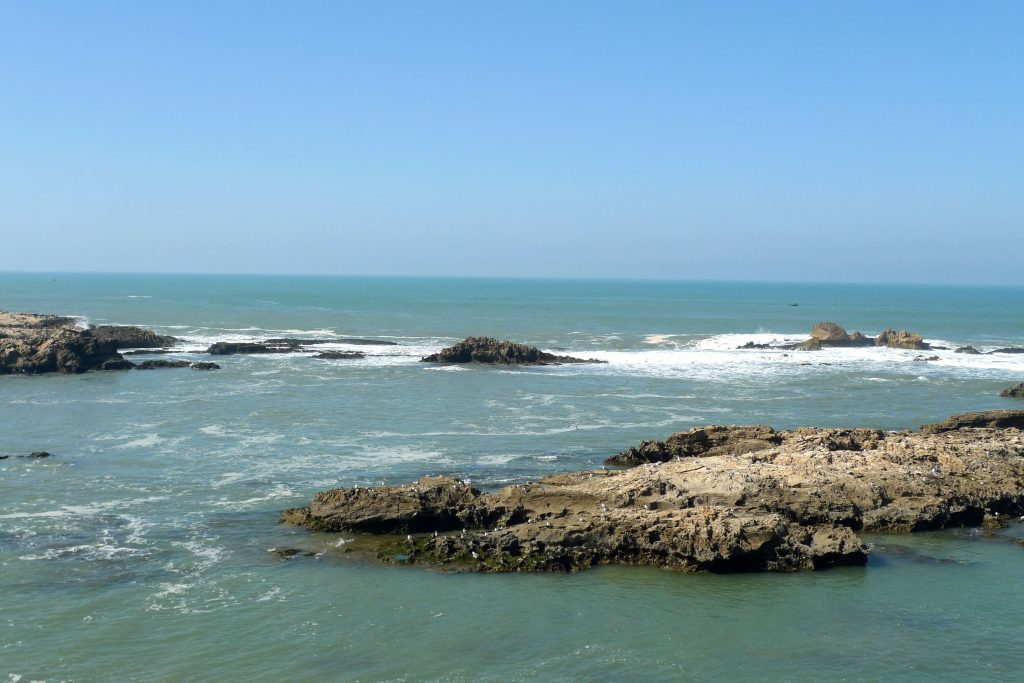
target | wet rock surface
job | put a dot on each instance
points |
(35, 344)
(488, 350)
(35, 455)
(735, 499)
(205, 365)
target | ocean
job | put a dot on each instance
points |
(141, 550)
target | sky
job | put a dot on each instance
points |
(795, 141)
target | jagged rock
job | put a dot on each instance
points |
(901, 340)
(752, 345)
(991, 419)
(1013, 392)
(160, 364)
(205, 365)
(827, 331)
(491, 351)
(969, 350)
(340, 355)
(32, 344)
(928, 359)
(132, 337)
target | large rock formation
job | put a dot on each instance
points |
(829, 334)
(491, 351)
(133, 337)
(32, 344)
(726, 499)
(827, 331)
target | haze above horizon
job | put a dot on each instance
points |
(796, 141)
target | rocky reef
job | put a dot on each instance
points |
(490, 351)
(34, 344)
(710, 499)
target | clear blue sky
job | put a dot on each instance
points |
(842, 141)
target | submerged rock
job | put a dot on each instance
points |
(286, 345)
(160, 364)
(205, 365)
(969, 350)
(340, 355)
(491, 351)
(735, 499)
(35, 455)
(1009, 349)
(1013, 392)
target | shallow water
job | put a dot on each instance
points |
(140, 550)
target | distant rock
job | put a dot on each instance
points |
(340, 355)
(1013, 392)
(490, 351)
(160, 364)
(289, 553)
(827, 331)
(132, 337)
(1010, 349)
(969, 350)
(205, 365)
(752, 345)
(923, 359)
(901, 340)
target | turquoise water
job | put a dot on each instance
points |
(140, 551)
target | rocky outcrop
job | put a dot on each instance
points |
(754, 345)
(33, 344)
(205, 365)
(726, 499)
(340, 355)
(969, 350)
(1013, 392)
(901, 340)
(1009, 349)
(493, 352)
(132, 337)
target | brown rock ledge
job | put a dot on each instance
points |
(742, 499)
